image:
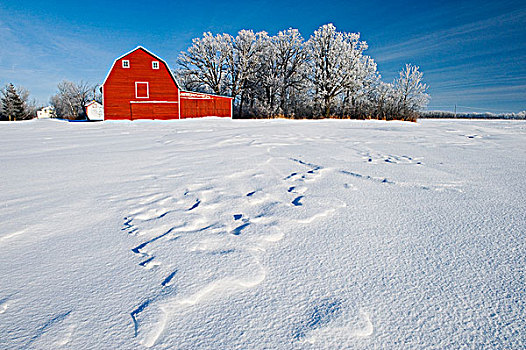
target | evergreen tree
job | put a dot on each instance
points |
(13, 105)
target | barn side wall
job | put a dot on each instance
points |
(214, 106)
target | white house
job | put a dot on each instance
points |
(46, 112)
(95, 111)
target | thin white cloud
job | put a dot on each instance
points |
(445, 39)
(38, 57)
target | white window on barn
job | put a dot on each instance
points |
(155, 64)
(125, 64)
(142, 89)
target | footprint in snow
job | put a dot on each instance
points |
(320, 315)
(326, 321)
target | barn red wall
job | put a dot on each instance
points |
(154, 110)
(119, 88)
(215, 106)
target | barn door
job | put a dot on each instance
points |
(166, 110)
(141, 111)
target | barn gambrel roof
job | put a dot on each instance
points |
(149, 53)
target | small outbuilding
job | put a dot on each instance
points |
(140, 85)
(95, 111)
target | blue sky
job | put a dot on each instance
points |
(472, 53)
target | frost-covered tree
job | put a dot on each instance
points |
(382, 99)
(328, 75)
(262, 85)
(410, 91)
(14, 103)
(356, 94)
(203, 65)
(334, 59)
(243, 63)
(71, 99)
(187, 81)
(268, 72)
(289, 48)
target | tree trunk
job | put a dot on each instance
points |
(327, 106)
(241, 100)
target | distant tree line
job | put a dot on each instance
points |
(472, 115)
(327, 75)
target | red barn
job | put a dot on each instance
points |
(140, 85)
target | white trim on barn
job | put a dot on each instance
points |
(154, 102)
(205, 93)
(147, 89)
(179, 99)
(195, 96)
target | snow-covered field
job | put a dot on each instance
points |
(221, 234)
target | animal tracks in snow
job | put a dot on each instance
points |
(297, 201)
(195, 205)
(208, 241)
(376, 158)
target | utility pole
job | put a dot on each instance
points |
(455, 110)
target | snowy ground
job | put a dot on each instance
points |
(220, 234)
